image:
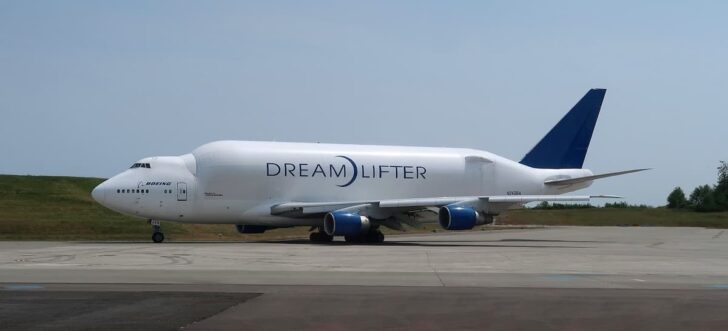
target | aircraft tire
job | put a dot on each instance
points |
(374, 237)
(378, 237)
(352, 239)
(157, 237)
(320, 237)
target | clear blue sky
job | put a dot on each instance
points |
(87, 88)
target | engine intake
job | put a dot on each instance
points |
(461, 218)
(345, 224)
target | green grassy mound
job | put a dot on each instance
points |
(61, 208)
(615, 217)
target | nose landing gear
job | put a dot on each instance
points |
(157, 235)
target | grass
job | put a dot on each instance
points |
(61, 208)
(615, 217)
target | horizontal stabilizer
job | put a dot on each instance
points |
(577, 180)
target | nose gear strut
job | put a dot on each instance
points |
(157, 235)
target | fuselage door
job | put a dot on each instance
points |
(181, 191)
(478, 175)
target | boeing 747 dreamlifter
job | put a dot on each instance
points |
(353, 190)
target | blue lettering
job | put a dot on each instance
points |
(407, 172)
(396, 170)
(289, 171)
(332, 171)
(317, 170)
(277, 167)
(302, 169)
(421, 172)
(363, 173)
(381, 171)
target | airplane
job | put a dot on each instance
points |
(354, 190)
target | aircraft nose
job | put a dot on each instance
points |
(99, 193)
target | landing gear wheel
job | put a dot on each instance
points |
(377, 237)
(320, 237)
(372, 237)
(157, 237)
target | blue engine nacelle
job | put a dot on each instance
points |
(252, 228)
(345, 224)
(462, 218)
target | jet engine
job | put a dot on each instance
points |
(345, 224)
(462, 218)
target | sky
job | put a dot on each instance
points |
(89, 87)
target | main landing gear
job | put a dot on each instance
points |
(371, 237)
(157, 235)
(320, 237)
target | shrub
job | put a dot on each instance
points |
(703, 199)
(676, 199)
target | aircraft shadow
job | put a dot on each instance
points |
(554, 240)
(415, 244)
(427, 243)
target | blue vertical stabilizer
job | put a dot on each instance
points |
(565, 146)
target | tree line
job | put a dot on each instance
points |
(555, 206)
(704, 198)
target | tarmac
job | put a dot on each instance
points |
(554, 278)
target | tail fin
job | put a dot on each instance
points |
(565, 146)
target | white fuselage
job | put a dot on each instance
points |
(238, 182)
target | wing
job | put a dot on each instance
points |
(384, 208)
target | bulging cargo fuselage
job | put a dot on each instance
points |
(238, 182)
